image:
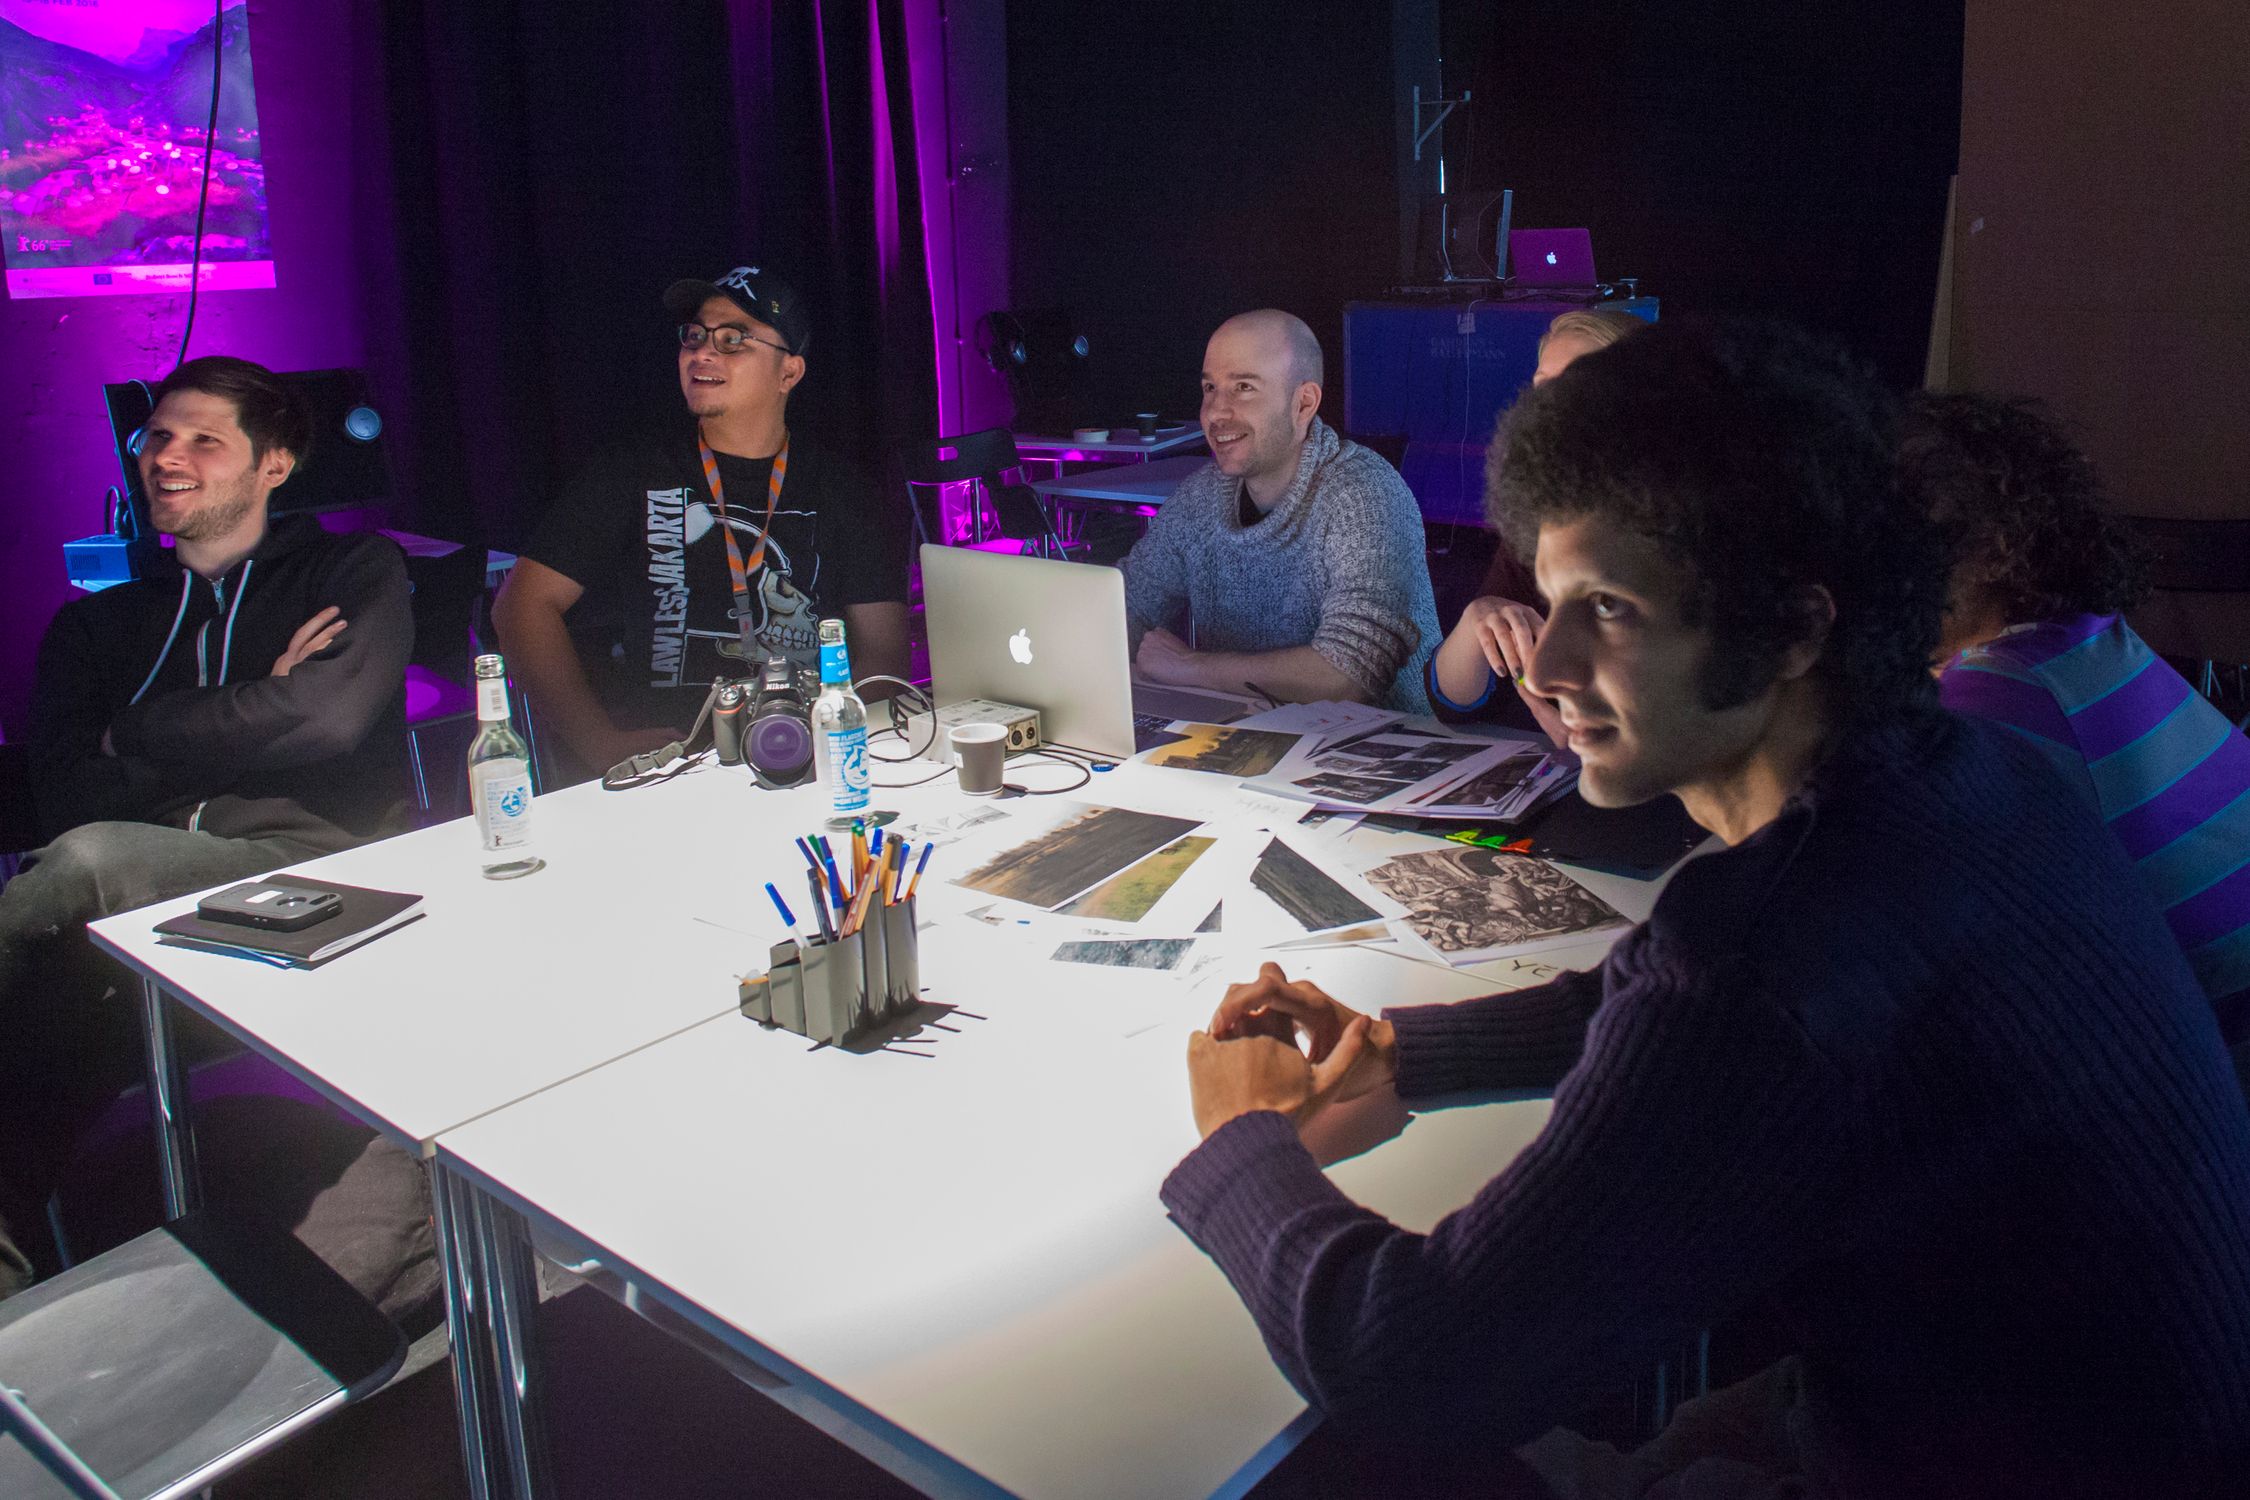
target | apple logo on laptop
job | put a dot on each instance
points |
(1019, 647)
(1550, 257)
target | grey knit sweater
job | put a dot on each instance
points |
(1337, 564)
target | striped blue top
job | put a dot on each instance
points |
(2168, 772)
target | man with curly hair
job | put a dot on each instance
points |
(1913, 1067)
(2035, 639)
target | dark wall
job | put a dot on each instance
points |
(1780, 156)
(1175, 163)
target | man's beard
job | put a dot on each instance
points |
(208, 522)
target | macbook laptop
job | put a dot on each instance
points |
(1551, 257)
(1049, 635)
(1035, 633)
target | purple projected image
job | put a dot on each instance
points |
(102, 109)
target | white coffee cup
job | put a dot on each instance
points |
(979, 752)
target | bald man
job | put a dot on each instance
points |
(1292, 565)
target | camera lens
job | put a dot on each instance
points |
(779, 745)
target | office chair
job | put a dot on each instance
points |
(448, 594)
(151, 1371)
(988, 462)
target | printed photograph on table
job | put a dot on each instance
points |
(1079, 853)
(1314, 899)
(1382, 770)
(1357, 790)
(1132, 894)
(1223, 750)
(941, 829)
(1528, 778)
(103, 109)
(1126, 953)
(1472, 904)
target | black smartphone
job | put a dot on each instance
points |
(277, 908)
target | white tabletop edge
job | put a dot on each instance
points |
(421, 1146)
(396, 1133)
(866, 1431)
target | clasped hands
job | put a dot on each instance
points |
(1251, 1059)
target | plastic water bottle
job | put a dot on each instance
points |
(839, 722)
(500, 781)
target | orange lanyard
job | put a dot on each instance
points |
(738, 567)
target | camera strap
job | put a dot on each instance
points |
(739, 569)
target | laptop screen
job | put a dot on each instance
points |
(1552, 257)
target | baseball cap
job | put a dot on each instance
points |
(761, 294)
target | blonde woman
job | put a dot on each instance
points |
(1495, 634)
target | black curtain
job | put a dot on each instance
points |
(535, 175)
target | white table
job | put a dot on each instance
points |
(1123, 484)
(956, 1263)
(1124, 445)
(501, 989)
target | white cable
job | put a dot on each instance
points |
(226, 642)
(186, 578)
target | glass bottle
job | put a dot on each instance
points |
(839, 723)
(500, 781)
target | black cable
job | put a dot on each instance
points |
(203, 195)
(1049, 752)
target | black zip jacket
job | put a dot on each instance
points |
(178, 670)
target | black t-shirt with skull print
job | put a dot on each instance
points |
(637, 530)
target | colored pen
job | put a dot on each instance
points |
(898, 873)
(858, 913)
(819, 891)
(919, 866)
(883, 869)
(875, 844)
(806, 850)
(783, 907)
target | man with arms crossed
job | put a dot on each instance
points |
(240, 709)
(1297, 555)
(1913, 1065)
(625, 605)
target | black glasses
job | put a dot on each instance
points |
(728, 340)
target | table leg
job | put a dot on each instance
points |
(170, 1104)
(474, 1385)
(512, 1276)
(491, 1292)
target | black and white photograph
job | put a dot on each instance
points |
(1314, 899)
(1357, 791)
(1471, 904)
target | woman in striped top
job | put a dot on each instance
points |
(2035, 639)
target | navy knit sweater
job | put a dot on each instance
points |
(1917, 1066)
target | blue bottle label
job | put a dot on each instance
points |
(835, 663)
(847, 760)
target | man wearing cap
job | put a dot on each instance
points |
(699, 550)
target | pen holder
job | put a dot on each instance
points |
(902, 960)
(875, 985)
(775, 997)
(830, 990)
(834, 992)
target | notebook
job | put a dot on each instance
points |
(367, 915)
